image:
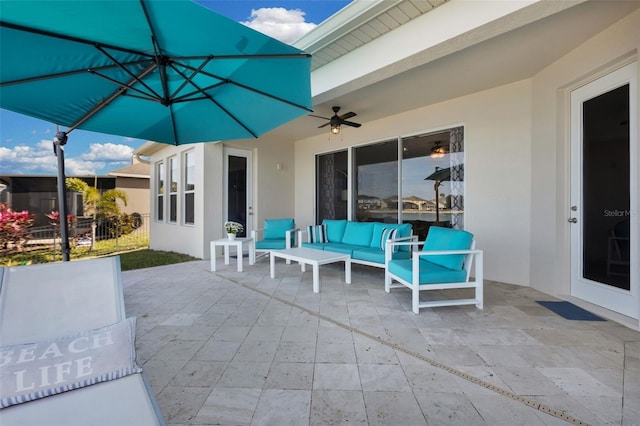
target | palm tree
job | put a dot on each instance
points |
(99, 205)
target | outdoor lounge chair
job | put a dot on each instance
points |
(277, 234)
(66, 321)
(443, 264)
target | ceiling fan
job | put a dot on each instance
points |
(337, 120)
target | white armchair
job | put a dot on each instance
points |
(277, 234)
(444, 263)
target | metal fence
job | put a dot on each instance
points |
(86, 238)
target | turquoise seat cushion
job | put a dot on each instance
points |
(335, 229)
(440, 238)
(317, 246)
(341, 248)
(404, 230)
(271, 244)
(375, 255)
(358, 233)
(277, 228)
(430, 273)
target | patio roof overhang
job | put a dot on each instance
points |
(427, 54)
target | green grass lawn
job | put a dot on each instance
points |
(129, 260)
(149, 258)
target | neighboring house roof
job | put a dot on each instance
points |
(413, 198)
(138, 170)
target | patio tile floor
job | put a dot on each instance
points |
(236, 348)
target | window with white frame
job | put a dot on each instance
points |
(412, 179)
(173, 189)
(189, 187)
(160, 191)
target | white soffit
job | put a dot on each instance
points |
(350, 46)
(359, 23)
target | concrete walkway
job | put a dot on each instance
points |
(236, 348)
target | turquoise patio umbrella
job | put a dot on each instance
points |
(168, 71)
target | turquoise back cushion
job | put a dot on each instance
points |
(440, 238)
(358, 233)
(335, 229)
(404, 230)
(275, 229)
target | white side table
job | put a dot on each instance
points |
(239, 244)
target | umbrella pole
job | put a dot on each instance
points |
(436, 186)
(58, 148)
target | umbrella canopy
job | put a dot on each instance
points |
(440, 175)
(166, 71)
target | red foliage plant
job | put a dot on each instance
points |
(14, 227)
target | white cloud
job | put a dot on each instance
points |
(280, 23)
(108, 151)
(75, 167)
(39, 159)
(26, 160)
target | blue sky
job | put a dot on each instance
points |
(25, 142)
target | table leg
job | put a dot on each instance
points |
(347, 271)
(239, 255)
(213, 256)
(226, 249)
(316, 278)
(273, 264)
(252, 252)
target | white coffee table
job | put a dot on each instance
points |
(239, 244)
(315, 258)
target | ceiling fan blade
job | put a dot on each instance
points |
(324, 125)
(351, 123)
(348, 115)
(319, 116)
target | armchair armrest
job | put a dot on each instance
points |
(255, 233)
(302, 232)
(411, 241)
(290, 237)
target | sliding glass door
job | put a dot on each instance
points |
(417, 180)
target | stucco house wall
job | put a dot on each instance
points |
(137, 190)
(497, 168)
(550, 195)
(271, 197)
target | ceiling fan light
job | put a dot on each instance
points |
(438, 151)
(335, 128)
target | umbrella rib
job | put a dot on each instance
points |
(207, 96)
(187, 80)
(68, 73)
(100, 105)
(134, 79)
(70, 38)
(235, 83)
(246, 56)
(269, 95)
(139, 80)
(162, 62)
(160, 59)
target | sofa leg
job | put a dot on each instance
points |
(387, 282)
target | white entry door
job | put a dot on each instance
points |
(238, 183)
(604, 192)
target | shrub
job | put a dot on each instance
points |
(14, 228)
